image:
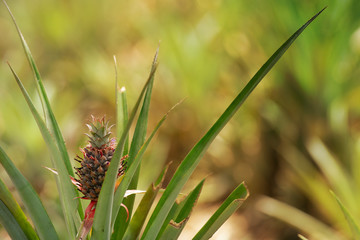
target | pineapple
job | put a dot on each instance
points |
(96, 159)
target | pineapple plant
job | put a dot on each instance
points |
(99, 178)
(96, 159)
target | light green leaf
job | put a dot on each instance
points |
(313, 228)
(349, 218)
(229, 206)
(136, 143)
(49, 115)
(104, 214)
(66, 190)
(50, 119)
(122, 119)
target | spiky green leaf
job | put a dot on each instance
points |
(136, 143)
(50, 119)
(66, 190)
(105, 215)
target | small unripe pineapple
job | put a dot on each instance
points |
(96, 159)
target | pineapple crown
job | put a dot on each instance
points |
(99, 136)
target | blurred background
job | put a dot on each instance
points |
(296, 137)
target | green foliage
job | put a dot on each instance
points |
(31, 200)
(168, 218)
(11, 209)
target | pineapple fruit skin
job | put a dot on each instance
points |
(96, 159)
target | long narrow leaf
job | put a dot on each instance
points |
(104, 218)
(313, 228)
(30, 199)
(54, 127)
(10, 223)
(335, 174)
(136, 143)
(119, 195)
(190, 162)
(49, 115)
(229, 206)
(121, 110)
(7, 198)
(66, 190)
(121, 122)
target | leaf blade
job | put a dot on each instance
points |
(103, 215)
(192, 159)
(45, 103)
(138, 220)
(12, 205)
(136, 143)
(10, 223)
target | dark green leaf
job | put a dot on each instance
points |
(138, 220)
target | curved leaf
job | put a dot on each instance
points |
(66, 190)
(50, 119)
(229, 206)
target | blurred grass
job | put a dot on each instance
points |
(206, 46)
